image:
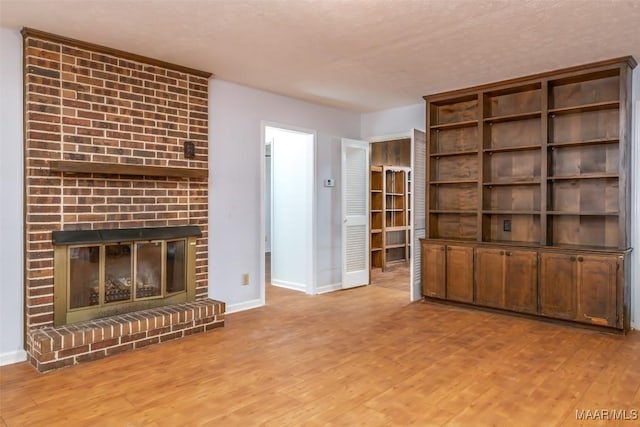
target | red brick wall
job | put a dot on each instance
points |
(93, 104)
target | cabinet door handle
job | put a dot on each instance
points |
(448, 248)
(573, 259)
(508, 253)
(501, 252)
(442, 248)
(580, 259)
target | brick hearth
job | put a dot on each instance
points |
(56, 347)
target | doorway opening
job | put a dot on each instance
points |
(289, 208)
(397, 211)
(391, 205)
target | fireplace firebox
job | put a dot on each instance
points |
(100, 273)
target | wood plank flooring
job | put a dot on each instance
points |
(396, 276)
(363, 356)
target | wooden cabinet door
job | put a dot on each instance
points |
(459, 262)
(521, 281)
(433, 268)
(597, 277)
(490, 277)
(558, 284)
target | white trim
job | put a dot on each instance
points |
(635, 214)
(242, 306)
(12, 357)
(262, 264)
(289, 285)
(328, 288)
(391, 137)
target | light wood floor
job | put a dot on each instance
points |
(358, 357)
(396, 276)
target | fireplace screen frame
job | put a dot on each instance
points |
(64, 314)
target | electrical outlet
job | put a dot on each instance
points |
(506, 226)
(245, 279)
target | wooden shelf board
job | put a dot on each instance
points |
(469, 181)
(455, 125)
(376, 210)
(514, 148)
(396, 261)
(507, 212)
(125, 169)
(452, 211)
(597, 106)
(395, 194)
(376, 191)
(454, 153)
(397, 245)
(583, 143)
(583, 213)
(513, 117)
(376, 230)
(375, 249)
(585, 176)
(510, 183)
(398, 228)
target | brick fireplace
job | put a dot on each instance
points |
(113, 141)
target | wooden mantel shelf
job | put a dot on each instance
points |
(124, 169)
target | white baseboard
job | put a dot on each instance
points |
(328, 288)
(289, 285)
(12, 357)
(242, 306)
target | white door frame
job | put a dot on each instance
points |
(311, 256)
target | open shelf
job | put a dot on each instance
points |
(584, 176)
(583, 213)
(513, 148)
(507, 212)
(551, 148)
(512, 117)
(451, 211)
(125, 169)
(390, 228)
(510, 183)
(596, 106)
(455, 125)
(462, 181)
(454, 153)
(584, 142)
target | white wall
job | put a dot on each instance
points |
(392, 121)
(235, 150)
(635, 202)
(11, 184)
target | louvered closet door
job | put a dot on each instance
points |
(355, 213)
(418, 180)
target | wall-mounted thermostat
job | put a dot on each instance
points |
(330, 182)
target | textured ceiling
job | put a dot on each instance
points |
(362, 55)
